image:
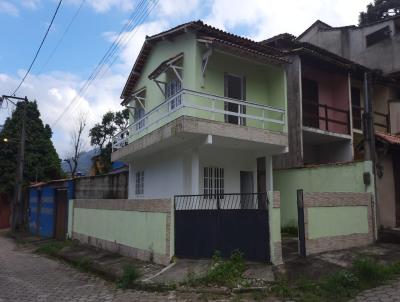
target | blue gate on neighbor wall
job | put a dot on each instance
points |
(34, 197)
(42, 211)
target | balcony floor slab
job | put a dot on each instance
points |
(186, 129)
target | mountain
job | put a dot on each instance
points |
(84, 162)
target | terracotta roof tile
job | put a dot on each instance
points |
(389, 138)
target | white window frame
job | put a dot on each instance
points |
(173, 87)
(139, 182)
(213, 182)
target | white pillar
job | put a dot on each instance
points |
(269, 173)
(195, 173)
(131, 182)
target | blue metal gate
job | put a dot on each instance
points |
(34, 199)
(47, 212)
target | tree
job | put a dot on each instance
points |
(77, 143)
(102, 133)
(41, 159)
(379, 10)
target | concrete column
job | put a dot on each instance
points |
(195, 172)
(131, 182)
(269, 173)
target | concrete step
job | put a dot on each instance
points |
(389, 236)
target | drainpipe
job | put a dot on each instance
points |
(369, 141)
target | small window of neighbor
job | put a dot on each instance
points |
(378, 36)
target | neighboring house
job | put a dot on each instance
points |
(320, 122)
(377, 46)
(209, 114)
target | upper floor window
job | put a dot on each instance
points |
(139, 99)
(139, 185)
(378, 36)
(172, 87)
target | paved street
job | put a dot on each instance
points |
(28, 277)
(385, 293)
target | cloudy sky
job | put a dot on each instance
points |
(55, 79)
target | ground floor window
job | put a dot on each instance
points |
(139, 188)
(214, 182)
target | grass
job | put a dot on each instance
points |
(223, 272)
(364, 273)
(54, 247)
(129, 277)
(289, 230)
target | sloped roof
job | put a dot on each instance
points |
(199, 28)
(291, 45)
(388, 138)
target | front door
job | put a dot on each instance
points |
(356, 107)
(262, 182)
(61, 213)
(235, 89)
(310, 103)
(246, 189)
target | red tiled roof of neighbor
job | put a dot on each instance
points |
(389, 138)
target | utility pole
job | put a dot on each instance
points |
(17, 203)
(369, 139)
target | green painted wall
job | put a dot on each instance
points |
(70, 216)
(325, 178)
(336, 221)
(265, 84)
(142, 230)
(274, 227)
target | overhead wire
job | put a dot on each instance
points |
(38, 50)
(62, 36)
(136, 18)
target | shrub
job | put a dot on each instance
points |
(129, 276)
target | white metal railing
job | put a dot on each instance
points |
(207, 106)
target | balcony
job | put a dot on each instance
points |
(204, 106)
(326, 118)
(381, 120)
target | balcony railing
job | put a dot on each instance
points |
(206, 106)
(333, 119)
(381, 120)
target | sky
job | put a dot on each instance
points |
(56, 79)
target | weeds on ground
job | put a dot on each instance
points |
(289, 231)
(53, 248)
(340, 286)
(129, 276)
(222, 272)
(84, 264)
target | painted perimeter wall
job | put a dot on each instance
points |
(139, 229)
(324, 178)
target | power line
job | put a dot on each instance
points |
(40, 47)
(136, 18)
(63, 35)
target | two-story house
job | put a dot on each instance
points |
(376, 46)
(208, 113)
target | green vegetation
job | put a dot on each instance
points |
(53, 248)
(289, 231)
(41, 159)
(222, 272)
(129, 277)
(365, 273)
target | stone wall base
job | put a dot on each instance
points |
(325, 244)
(122, 249)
